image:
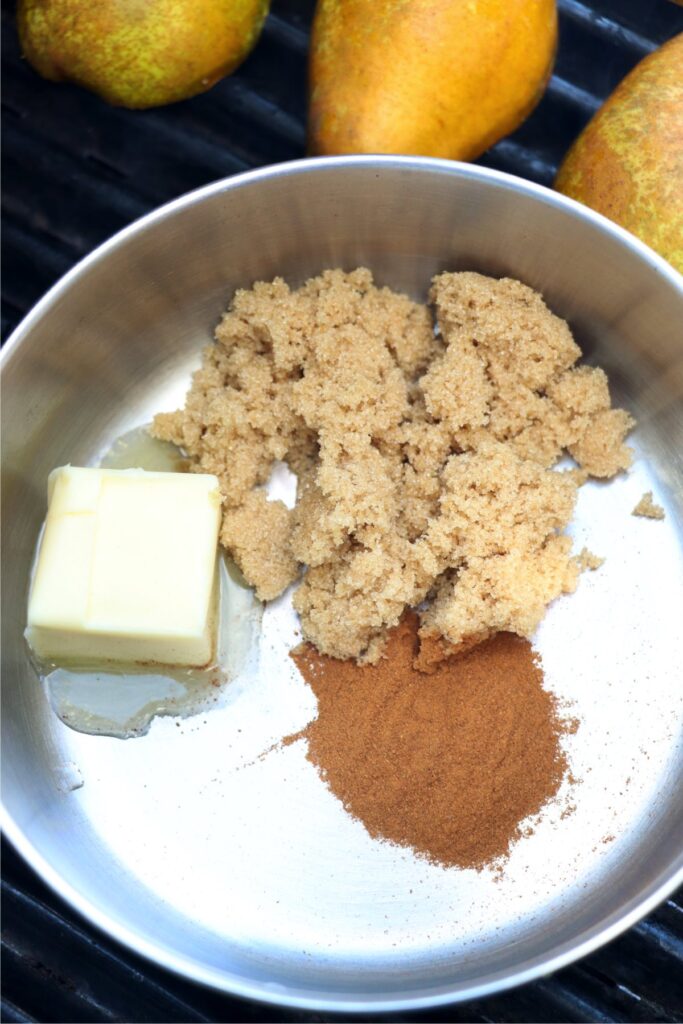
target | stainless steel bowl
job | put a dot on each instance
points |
(255, 881)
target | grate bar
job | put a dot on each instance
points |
(283, 32)
(267, 113)
(665, 939)
(11, 1014)
(566, 92)
(599, 24)
(80, 965)
(137, 169)
(516, 158)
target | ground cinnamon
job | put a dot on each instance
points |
(448, 763)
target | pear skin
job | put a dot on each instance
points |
(443, 78)
(628, 161)
(139, 53)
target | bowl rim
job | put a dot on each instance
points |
(546, 195)
(308, 999)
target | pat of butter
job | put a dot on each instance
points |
(127, 567)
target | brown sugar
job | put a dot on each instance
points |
(647, 508)
(450, 763)
(423, 441)
(587, 560)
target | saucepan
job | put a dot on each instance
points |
(241, 871)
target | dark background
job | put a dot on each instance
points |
(75, 171)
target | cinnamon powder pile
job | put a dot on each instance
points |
(447, 763)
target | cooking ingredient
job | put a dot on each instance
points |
(126, 567)
(422, 460)
(114, 699)
(449, 764)
(430, 77)
(628, 161)
(139, 54)
(647, 508)
(587, 560)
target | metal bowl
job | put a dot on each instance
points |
(254, 880)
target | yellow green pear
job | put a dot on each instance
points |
(628, 161)
(139, 53)
(444, 78)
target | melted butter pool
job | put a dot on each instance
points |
(139, 450)
(113, 699)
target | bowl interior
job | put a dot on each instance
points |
(115, 343)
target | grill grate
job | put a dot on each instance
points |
(76, 171)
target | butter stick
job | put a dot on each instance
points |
(126, 567)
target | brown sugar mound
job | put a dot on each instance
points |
(449, 764)
(423, 452)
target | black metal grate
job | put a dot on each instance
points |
(75, 171)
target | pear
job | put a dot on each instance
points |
(139, 53)
(628, 162)
(444, 78)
